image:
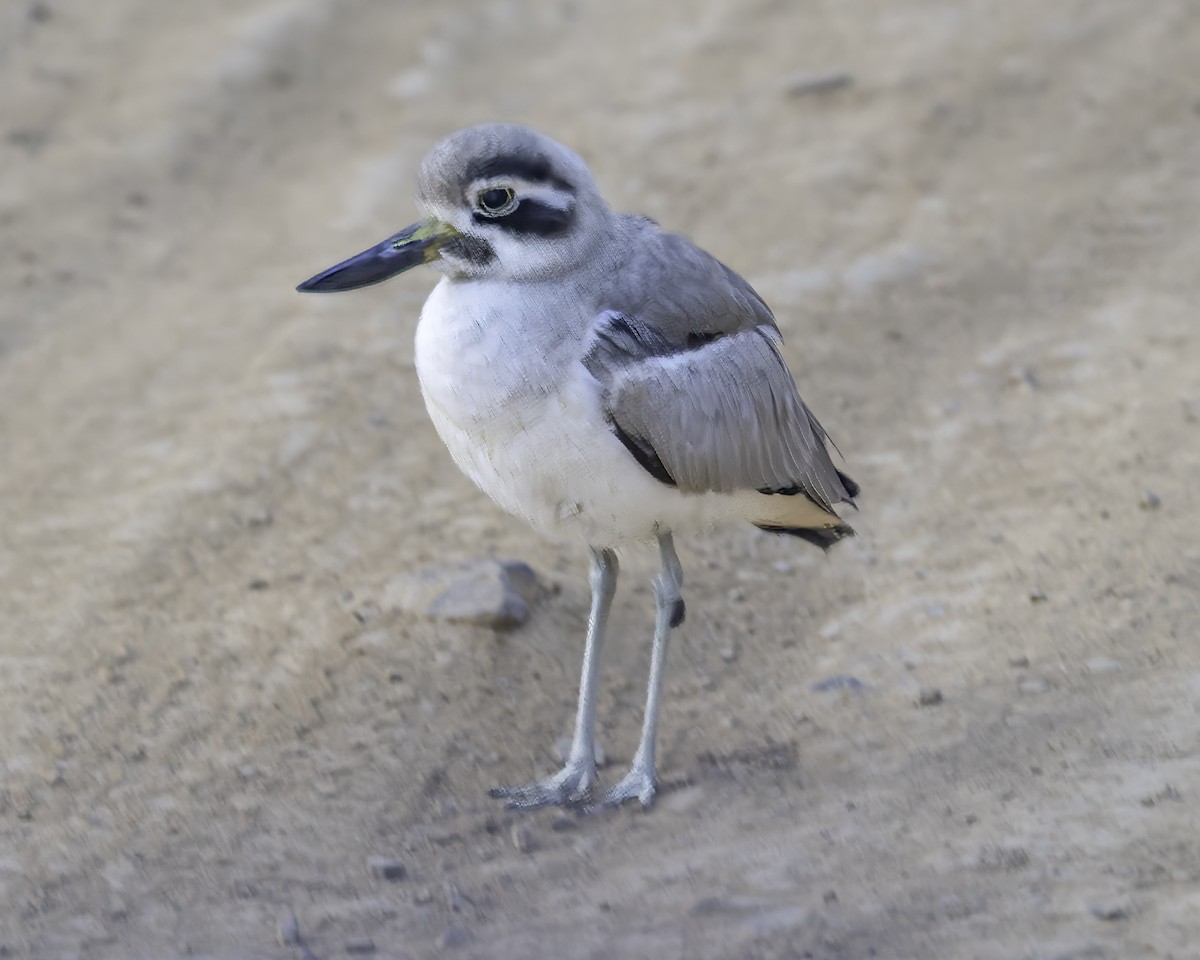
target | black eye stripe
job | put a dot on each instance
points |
(472, 249)
(532, 218)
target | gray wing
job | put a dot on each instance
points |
(695, 387)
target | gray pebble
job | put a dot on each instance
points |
(287, 930)
(488, 593)
(1150, 501)
(457, 937)
(929, 697)
(1166, 793)
(995, 859)
(816, 83)
(386, 868)
(1110, 910)
(1031, 686)
(1037, 595)
(456, 900)
(1103, 665)
(360, 947)
(258, 516)
(1018, 661)
(522, 838)
(838, 682)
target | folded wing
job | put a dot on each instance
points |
(695, 387)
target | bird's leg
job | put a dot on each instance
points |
(641, 781)
(572, 785)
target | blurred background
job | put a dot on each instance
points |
(971, 732)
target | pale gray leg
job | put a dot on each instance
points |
(641, 780)
(572, 785)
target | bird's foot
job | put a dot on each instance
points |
(640, 784)
(570, 787)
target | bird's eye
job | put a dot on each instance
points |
(496, 201)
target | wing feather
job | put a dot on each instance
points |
(694, 382)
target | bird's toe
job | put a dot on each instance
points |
(639, 784)
(570, 787)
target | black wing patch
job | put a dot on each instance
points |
(644, 454)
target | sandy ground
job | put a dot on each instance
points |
(983, 250)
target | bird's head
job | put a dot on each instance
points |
(501, 202)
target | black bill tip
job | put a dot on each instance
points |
(402, 251)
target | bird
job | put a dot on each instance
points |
(605, 380)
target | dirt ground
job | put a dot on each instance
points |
(978, 226)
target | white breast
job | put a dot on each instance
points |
(522, 418)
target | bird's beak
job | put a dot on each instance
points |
(409, 248)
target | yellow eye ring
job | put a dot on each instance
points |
(496, 201)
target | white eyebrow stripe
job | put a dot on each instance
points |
(547, 195)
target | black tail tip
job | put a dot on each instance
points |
(849, 484)
(823, 537)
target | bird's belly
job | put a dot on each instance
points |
(527, 427)
(553, 462)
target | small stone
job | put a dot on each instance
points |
(563, 823)
(386, 868)
(1110, 910)
(826, 81)
(456, 900)
(423, 896)
(522, 838)
(1037, 595)
(729, 654)
(360, 947)
(287, 930)
(1031, 686)
(259, 584)
(994, 859)
(1018, 661)
(258, 516)
(1025, 377)
(929, 697)
(456, 937)
(1150, 501)
(1166, 793)
(838, 682)
(1101, 665)
(706, 906)
(488, 593)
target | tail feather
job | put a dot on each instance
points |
(849, 484)
(823, 537)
